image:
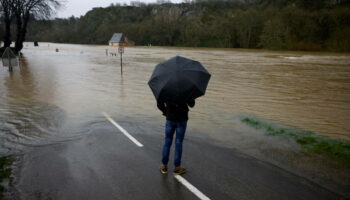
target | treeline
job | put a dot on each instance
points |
(18, 13)
(269, 24)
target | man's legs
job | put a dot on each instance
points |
(180, 135)
(169, 133)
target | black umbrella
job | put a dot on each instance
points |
(179, 79)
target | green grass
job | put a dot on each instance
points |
(5, 171)
(334, 148)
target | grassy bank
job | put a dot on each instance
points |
(333, 148)
(5, 172)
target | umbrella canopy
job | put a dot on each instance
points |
(179, 80)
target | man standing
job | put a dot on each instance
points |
(176, 121)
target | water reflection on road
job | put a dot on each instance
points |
(62, 94)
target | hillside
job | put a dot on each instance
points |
(268, 24)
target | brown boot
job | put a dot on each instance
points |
(179, 170)
(163, 169)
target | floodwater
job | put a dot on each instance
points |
(57, 96)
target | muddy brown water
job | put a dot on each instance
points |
(62, 94)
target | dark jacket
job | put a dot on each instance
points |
(175, 111)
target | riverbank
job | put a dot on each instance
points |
(333, 148)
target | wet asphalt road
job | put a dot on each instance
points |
(107, 165)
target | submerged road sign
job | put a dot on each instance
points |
(9, 59)
(121, 51)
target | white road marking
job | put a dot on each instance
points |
(122, 130)
(187, 184)
(193, 189)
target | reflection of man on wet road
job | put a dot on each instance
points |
(176, 120)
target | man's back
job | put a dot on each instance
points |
(175, 111)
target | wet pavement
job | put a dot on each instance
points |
(106, 165)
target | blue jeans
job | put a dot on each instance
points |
(170, 128)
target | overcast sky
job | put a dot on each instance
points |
(80, 7)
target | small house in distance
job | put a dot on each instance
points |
(119, 39)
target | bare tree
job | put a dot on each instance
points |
(25, 9)
(7, 12)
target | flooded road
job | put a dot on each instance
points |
(51, 109)
(56, 96)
